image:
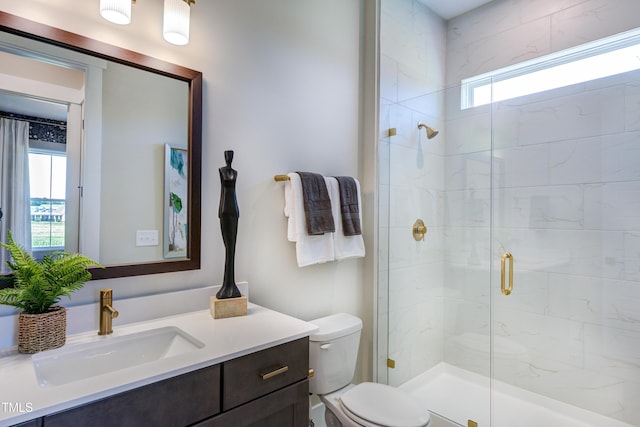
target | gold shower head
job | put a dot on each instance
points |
(431, 132)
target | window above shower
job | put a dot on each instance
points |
(605, 57)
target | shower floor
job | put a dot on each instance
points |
(461, 395)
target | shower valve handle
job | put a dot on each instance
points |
(419, 230)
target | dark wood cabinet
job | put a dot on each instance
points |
(177, 401)
(288, 407)
(32, 423)
(268, 388)
(257, 374)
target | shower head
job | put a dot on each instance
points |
(431, 132)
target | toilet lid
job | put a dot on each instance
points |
(383, 405)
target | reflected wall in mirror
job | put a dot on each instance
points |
(141, 112)
(132, 106)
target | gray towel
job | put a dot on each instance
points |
(317, 204)
(349, 206)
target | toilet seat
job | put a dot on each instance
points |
(375, 405)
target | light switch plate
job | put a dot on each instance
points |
(147, 238)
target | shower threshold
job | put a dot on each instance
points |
(459, 395)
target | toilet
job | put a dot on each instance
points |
(333, 350)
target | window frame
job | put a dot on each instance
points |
(566, 56)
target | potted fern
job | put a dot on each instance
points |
(37, 288)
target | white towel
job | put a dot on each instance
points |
(309, 249)
(289, 210)
(344, 246)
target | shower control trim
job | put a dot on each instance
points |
(419, 230)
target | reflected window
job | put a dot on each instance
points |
(47, 179)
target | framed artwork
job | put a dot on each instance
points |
(176, 203)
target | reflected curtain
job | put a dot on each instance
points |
(14, 185)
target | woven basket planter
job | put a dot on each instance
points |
(39, 332)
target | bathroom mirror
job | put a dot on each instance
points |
(105, 170)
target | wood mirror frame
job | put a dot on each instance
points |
(33, 30)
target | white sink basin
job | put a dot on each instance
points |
(80, 361)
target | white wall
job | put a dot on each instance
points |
(282, 88)
(569, 216)
(141, 112)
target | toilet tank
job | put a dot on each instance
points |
(333, 351)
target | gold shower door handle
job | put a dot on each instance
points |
(505, 290)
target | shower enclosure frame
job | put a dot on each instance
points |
(532, 224)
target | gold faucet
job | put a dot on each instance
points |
(107, 312)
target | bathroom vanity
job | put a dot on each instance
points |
(252, 389)
(247, 370)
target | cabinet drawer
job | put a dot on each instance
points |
(287, 407)
(257, 374)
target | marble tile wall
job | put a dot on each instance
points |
(565, 202)
(411, 186)
(506, 32)
(560, 190)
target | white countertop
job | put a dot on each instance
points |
(223, 339)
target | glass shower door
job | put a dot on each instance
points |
(566, 225)
(466, 200)
(414, 264)
(434, 290)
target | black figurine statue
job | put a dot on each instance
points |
(228, 214)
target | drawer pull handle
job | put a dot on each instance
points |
(274, 373)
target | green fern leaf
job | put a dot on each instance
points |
(39, 285)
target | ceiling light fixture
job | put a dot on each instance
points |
(176, 19)
(116, 11)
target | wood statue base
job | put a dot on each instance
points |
(228, 307)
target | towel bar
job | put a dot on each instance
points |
(279, 178)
